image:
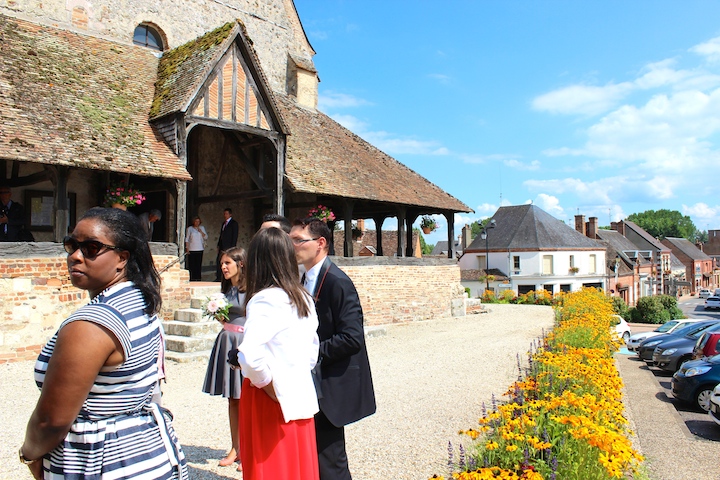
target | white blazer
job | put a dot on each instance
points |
(281, 348)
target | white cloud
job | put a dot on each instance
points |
(518, 165)
(701, 211)
(350, 122)
(582, 99)
(330, 99)
(441, 78)
(710, 49)
(398, 146)
(550, 204)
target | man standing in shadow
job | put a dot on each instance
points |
(228, 238)
(12, 217)
(346, 391)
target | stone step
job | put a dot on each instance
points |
(197, 302)
(175, 343)
(192, 329)
(189, 315)
(187, 357)
(205, 290)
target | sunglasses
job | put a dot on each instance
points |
(89, 248)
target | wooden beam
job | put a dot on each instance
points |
(227, 125)
(450, 217)
(235, 196)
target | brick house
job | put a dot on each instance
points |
(660, 254)
(699, 267)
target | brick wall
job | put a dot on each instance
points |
(36, 294)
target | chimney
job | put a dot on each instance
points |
(699, 245)
(592, 227)
(361, 224)
(580, 223)
(466, 237)
(618, 227)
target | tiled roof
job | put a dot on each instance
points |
(79, 101)
(325, 158)
(645, 235)
(686, 246)
(528, 227)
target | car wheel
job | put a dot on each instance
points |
(626, 337)
(702, 398)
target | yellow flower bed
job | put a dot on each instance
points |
(564, 420)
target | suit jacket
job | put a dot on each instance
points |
(144, 219)
(15, 222)
(229, 236)
(346, 389)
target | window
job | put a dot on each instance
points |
(482, 262)
(523, 289)
(572, 261)
(147, 36)
(550, 288)
(516, 262)
(547, 265)
(593, 263)
(565, 287)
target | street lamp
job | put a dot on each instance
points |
(484, 236)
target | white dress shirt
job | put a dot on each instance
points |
(311, 277)
(281, 348)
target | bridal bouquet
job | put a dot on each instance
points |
(216, 307)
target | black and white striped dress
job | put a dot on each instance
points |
(119, 432)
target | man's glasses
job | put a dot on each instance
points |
(301, 241)
(89, 248)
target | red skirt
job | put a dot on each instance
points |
(271, 449)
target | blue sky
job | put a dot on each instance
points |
(599, 108)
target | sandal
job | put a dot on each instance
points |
(229, 459)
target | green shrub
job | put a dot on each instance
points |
(652, 310)
(467, 292)
(620, 307)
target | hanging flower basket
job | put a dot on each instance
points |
(122, 196)
(428, 224)
(323, 213)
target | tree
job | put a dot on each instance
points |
(666, 223)
(425, 248)
(476, 228)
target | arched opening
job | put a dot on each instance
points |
(148, 36)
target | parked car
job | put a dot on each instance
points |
(647, 347)
(695, 381)
(667, 327)
(714, 411)
(671, 355)
(706, 346)
(712, 302)
(716, 293)
(621, 327)
(704, 293)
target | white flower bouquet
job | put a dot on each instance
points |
(216, 307)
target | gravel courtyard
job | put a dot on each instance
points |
(431, 379)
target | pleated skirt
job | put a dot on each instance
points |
(271, 449)
(220, 379)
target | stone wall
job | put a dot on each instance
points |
(36, 294)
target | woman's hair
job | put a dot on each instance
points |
(271, 263)
(126, 232)
(239, 256)
(196, 217)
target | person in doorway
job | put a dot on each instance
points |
(195, 242)
(147, 220)
(228, 238)
(278, 352)
(220, 378)
(12, 217)
(346, 391)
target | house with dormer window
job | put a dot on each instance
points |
(532, 250)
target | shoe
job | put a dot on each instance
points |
(229, 460)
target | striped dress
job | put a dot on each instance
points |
(119, 433)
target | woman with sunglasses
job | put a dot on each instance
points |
(277, 354)
(94, 417)
(220, 378)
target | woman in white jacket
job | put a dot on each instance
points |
(277, 355)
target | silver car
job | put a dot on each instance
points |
(668, 327)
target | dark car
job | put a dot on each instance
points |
(670, 355)
(695, 381)
(646, 348)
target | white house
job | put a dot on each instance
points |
(529, 249)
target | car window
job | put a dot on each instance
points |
(665, 327)
(691, 328)
(713, 327)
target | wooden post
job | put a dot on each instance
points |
(401, 231)
(378, 234)
(62, 209)
(450, 217)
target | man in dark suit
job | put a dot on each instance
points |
(345, 388)
(12, 217)
(227, 239)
